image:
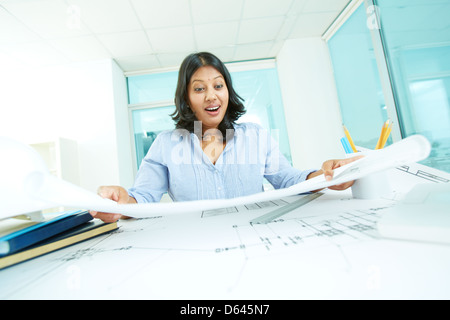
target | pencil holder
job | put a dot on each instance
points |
(373, 186)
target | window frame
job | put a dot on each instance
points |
(141, 106)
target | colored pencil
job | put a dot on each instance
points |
(350, 140)
(346, 145)
(383, 130)
(386, 135)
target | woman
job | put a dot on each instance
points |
(209, 155)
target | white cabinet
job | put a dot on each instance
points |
(61, 157)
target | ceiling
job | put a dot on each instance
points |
(153, 34)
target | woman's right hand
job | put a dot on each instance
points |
(115, 193)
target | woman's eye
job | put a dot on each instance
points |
(198, 89)
(219, 86)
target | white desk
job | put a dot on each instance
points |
(326, 249)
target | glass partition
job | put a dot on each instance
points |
(358, 83)
(416, 41)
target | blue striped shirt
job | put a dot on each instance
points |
(176, 163)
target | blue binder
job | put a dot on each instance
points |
(31, 235)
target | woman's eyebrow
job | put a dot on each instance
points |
(219, 76)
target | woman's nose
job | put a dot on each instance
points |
(210, 95)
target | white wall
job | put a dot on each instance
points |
(310, 100)
(79, 102)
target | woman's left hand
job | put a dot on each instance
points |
(328, 170)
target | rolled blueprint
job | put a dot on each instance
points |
(27, 185)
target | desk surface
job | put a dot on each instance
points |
(328, 248)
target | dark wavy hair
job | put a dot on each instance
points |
(183, 116)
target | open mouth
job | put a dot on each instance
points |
(212, 109)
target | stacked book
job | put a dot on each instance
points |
(21, 240)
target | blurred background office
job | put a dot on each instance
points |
(90, 83)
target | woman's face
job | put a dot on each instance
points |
(208, 96)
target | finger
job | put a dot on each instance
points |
(342, 186)
(101, 190)
(342, 162)
(336, 163)
(327, 168)
(105, 192)
(122, 196)
(108, 217)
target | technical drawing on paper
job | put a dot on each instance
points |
(221, 254)
(144, 247)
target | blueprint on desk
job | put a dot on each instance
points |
(327, 247)
(28, 186)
